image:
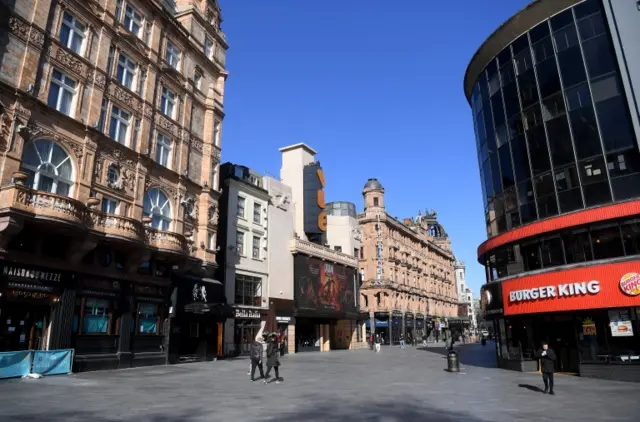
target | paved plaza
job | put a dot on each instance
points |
(394, 385)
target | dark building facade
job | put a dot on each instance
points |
(554, 97)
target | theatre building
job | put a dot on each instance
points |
(554, 97)
(325, 280)
(110, 116)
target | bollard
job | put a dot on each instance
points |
(484, 341)
(453, 365)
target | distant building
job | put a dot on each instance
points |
(407, 268)
(243, 250)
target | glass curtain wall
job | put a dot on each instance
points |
(552, 125)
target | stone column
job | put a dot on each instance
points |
(415, 330)
(404, 326)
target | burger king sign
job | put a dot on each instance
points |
(630, 284)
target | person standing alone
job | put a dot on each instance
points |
(272, 358)
(547, 364)
(255, 355)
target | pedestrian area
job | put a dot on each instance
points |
(396, 384)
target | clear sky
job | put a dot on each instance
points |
(376, 88)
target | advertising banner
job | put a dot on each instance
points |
(52, 362)
(15, 364)
(491, 299)
(598, 286)
(620, 323)
(324, 286)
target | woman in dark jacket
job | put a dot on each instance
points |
(272, 358)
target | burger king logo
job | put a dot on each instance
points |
(630, 284)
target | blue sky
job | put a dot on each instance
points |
(376, 88)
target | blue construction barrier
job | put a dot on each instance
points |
(43, 362)
(52, 362)
(15, 364)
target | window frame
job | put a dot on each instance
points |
(129, 69)
(155, 209)
(130, 13)
(62, 86)
(38, 172)
(173, 53)
(168, 98)
(257, 206)
(74, 31)
(159, 318)
(120, 122)
(240, 242)
(82, 315)
(106, 200)
(255, 247)
(164, 147)
(255, 284)
(241, 200)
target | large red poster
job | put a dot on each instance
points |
(598, 286)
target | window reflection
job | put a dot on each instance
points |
(552, 252)
(548, 109)
(631, 237)
(577, 246)
(607, 242)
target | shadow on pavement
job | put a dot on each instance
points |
(87, 416)
(377, 411)
(531, 388)
(470, 354)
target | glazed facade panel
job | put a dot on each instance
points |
(552, 123)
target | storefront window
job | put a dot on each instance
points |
(148, 321)
(96, 316)
(610, 336)
(248, 290)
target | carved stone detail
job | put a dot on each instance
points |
(213, 216)
(21, 29)
(71, 62)
(166, 124)
(97, 77)
(126, 97)
(190, 207)
(196, 144)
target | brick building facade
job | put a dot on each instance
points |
(110, 125)
(416, 289)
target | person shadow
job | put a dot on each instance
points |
(531, 388)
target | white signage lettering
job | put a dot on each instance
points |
(550, 292)
(31, 274)
(283, 319)
(247, 314)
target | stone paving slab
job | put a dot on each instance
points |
(396, 384)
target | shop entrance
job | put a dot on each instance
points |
(561, 334)
(197, 340)
(23, 327)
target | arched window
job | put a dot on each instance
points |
(157, 206)
(49, 167)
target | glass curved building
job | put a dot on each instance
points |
(554, 94)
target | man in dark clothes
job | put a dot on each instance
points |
(256, 358)
(547, 363)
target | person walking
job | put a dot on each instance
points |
(272, 358)
(255, 355)
(401, 341)
(547, 365)
(378, 343)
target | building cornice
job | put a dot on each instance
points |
(297, 245)
(404, 229)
